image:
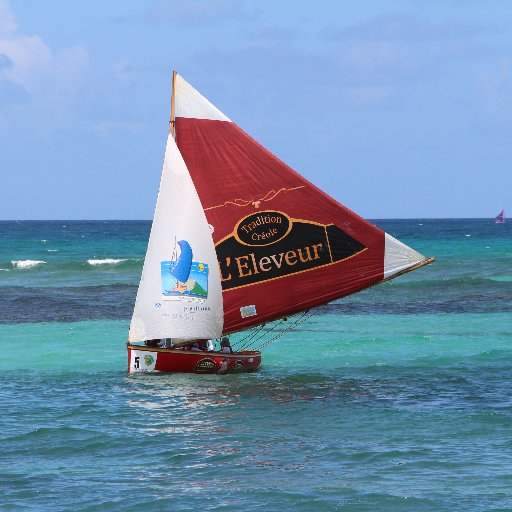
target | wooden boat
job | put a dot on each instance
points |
(238, 240)
(155, 359)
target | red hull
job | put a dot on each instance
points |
(143, 359)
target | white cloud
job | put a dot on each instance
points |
(49, 80)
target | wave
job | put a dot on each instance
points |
(57, 263)
(27, 263)
(501, 279)
(107, 261)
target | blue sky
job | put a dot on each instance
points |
(397, 108)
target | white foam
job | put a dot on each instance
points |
(107, 261)
(4, 270)
(27, 263)
(52, 250)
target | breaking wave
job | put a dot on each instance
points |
(107, 261)
(84, 265)
(27, 263)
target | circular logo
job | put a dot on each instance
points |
(263, 228)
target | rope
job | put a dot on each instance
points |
(250, 335)
(297, 322)
(246, 345)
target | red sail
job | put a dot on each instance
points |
(283, 245)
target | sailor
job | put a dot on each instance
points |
(193, 344)
(225, 346)
(203, 345)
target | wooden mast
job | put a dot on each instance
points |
(173, 96)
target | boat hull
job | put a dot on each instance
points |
(152, 359)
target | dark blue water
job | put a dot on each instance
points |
(397, 398)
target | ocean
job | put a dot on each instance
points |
(398, 398)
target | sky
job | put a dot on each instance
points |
(396, 108)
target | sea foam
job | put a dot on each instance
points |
(107, 261)
(27, 263)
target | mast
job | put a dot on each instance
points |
(173, 97)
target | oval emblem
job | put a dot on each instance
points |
(205, 365)
(263, 228)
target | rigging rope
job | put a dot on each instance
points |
(264, 333)
(254, 336)
(250, 335)
(297, 322)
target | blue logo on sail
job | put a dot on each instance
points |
(184, 277)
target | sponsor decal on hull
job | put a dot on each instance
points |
(141, 361)
(205, 365)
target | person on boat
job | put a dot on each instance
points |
(195, 345)
(160, 343)
(203, 345)
(206, 345)
(225, 346)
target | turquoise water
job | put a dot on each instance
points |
(398, 398)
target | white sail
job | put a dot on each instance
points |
(399, 257)
(165, 306)
(192, 104)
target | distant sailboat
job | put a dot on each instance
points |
(500, 218)
(257, 243)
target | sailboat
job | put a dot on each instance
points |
(500, 218)
(239, 240)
